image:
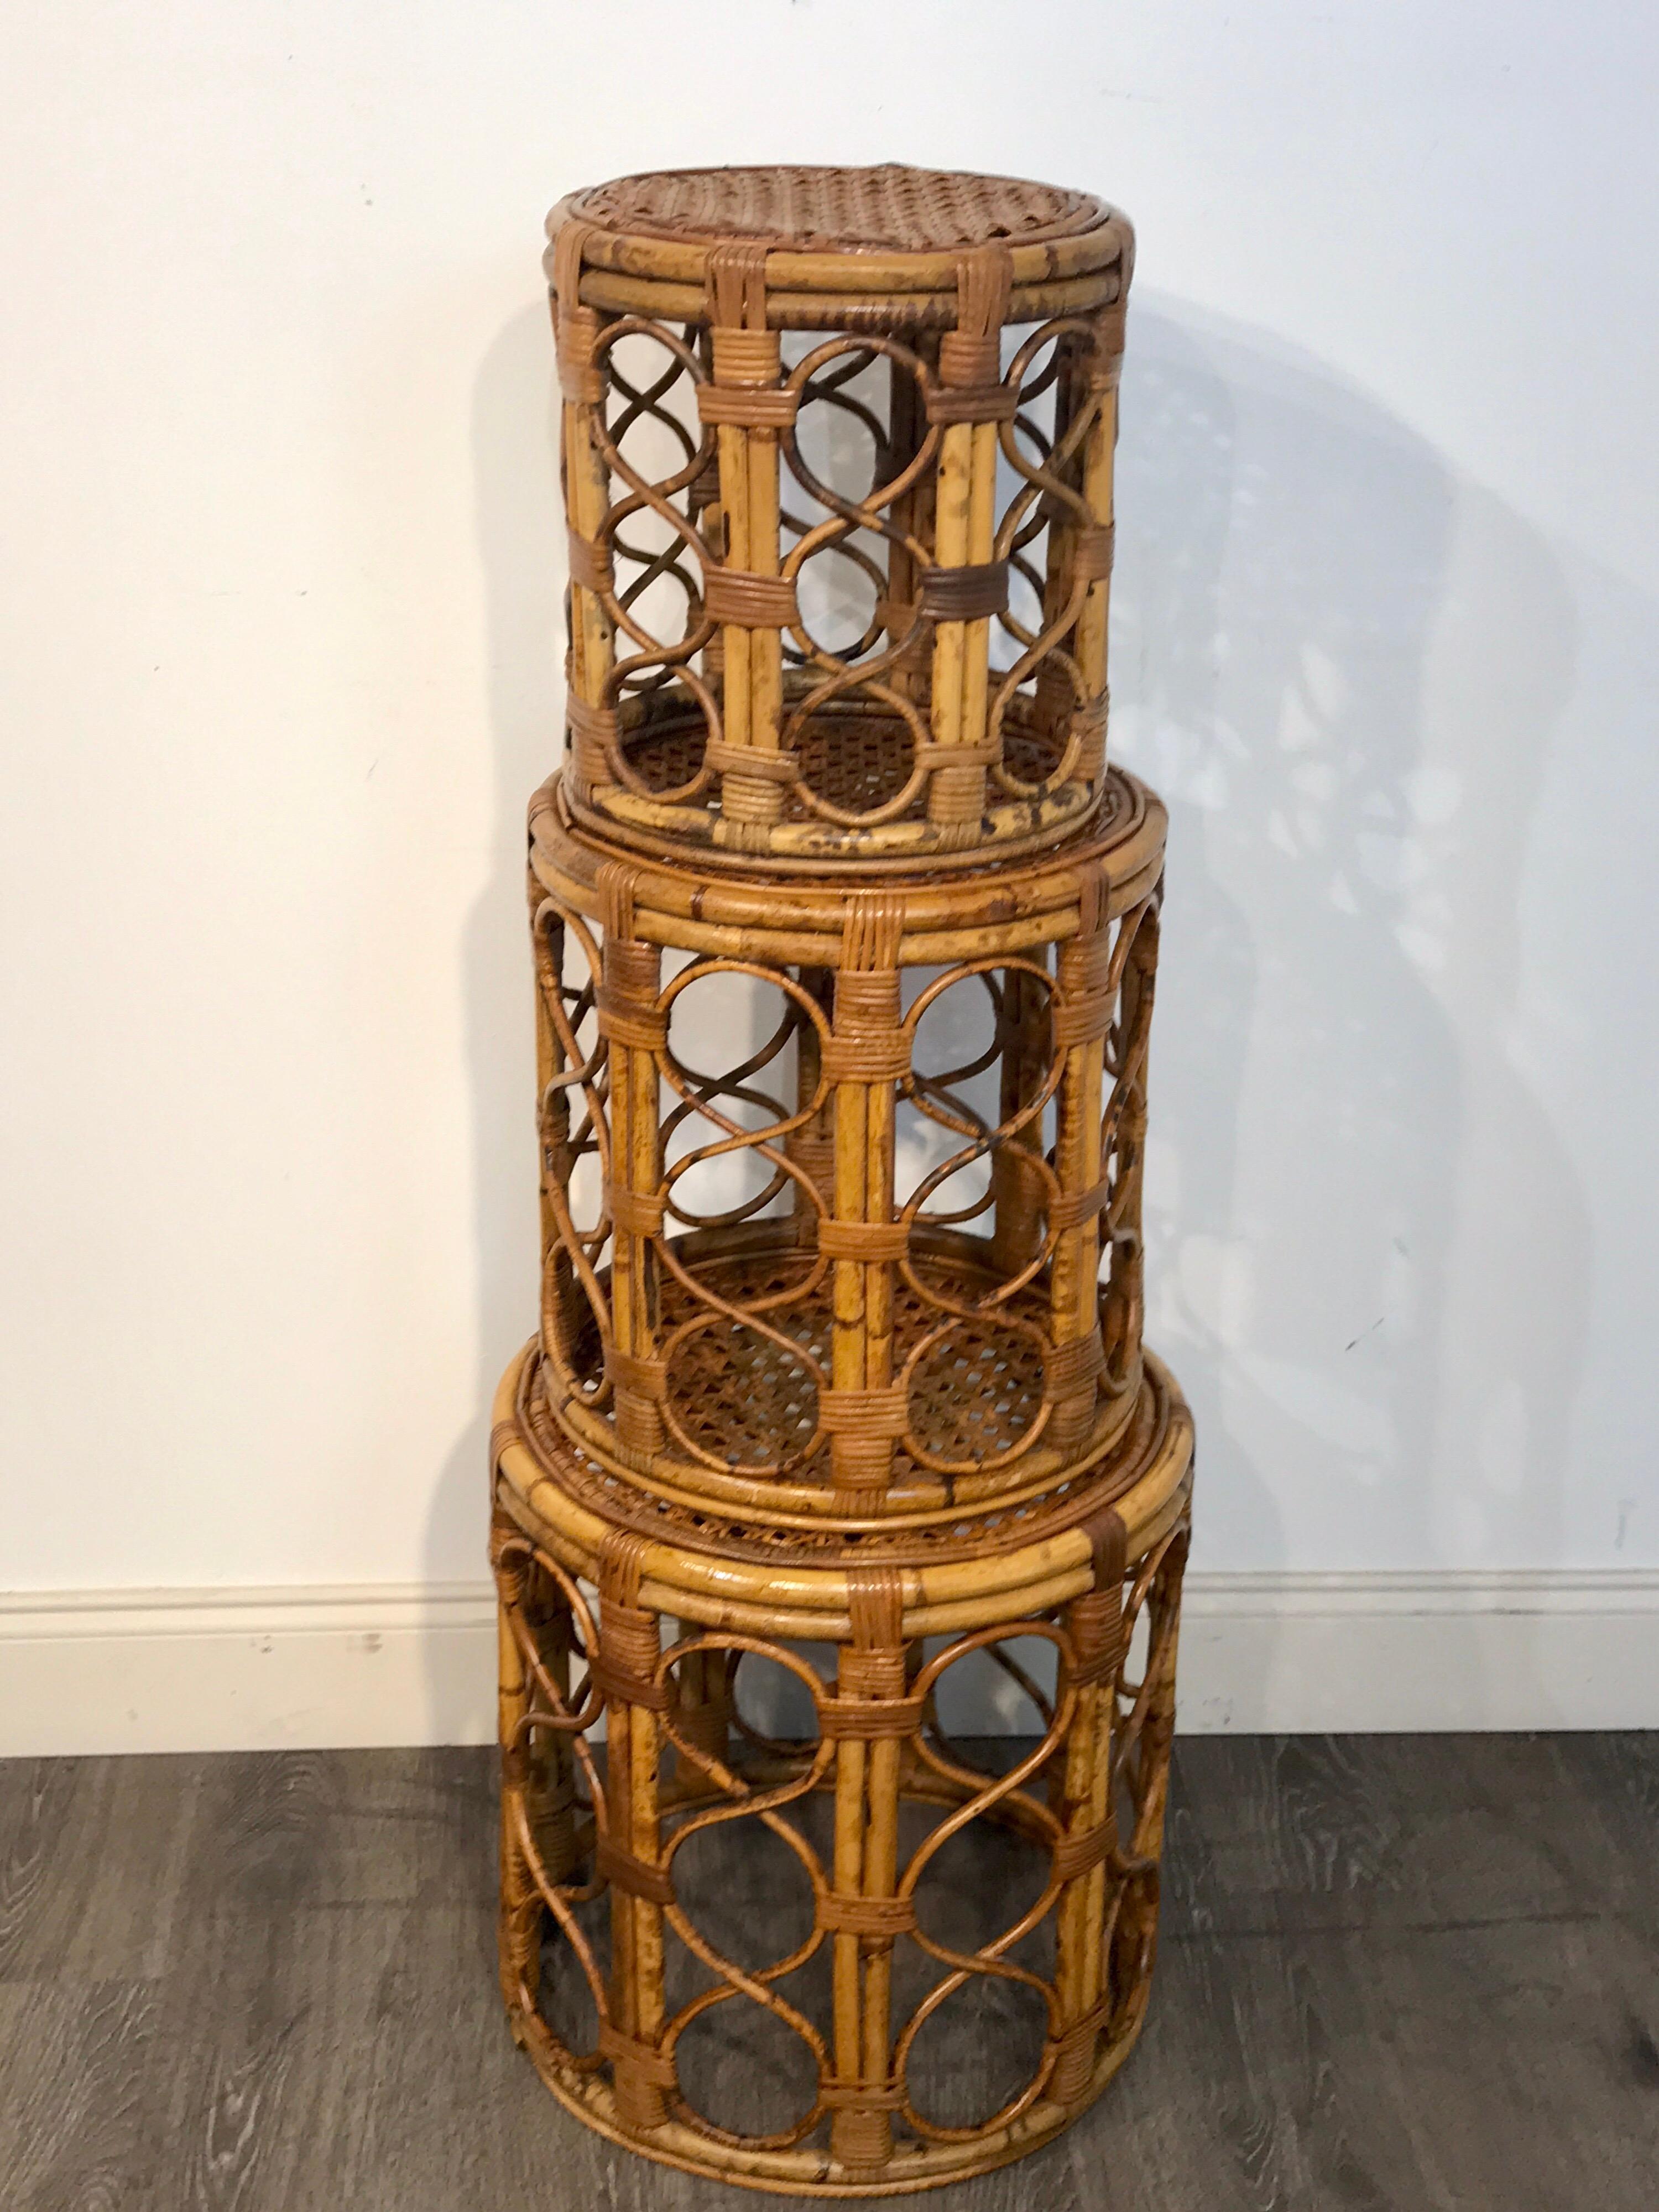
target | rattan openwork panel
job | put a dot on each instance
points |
(838, 1418)
(915, 1903)
(838, 470)
(879, 1254)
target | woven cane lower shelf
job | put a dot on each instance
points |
(749, 1411)
(916, 1913)
(860, 795)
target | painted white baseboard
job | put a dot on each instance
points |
(252, 1669)
(245, 1668)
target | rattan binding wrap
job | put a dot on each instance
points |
(845, 952)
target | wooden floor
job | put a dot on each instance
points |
(1397, 1973)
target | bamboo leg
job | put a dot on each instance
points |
(872, 1671)
(868, 1052)
(850, 1343)
(587, 500)
(846, 2137)
(631, 1646)
(1083, 1012)
(982, 544)
(949, 798)
(1123, 1297)
(877, 1206)
(735, 642)
(907, 426)
(1094, 1626)
(1099, 450)
(746, 359)
(521, 1907)
(1071, 1941)
(592, 643)
(1055, 696)
(880, 1870)
(619, 1802)
(1135, 1934)
(632, 1025)
(645, 1756)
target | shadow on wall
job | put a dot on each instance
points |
(1369, 1258)
(521, 543)
(1341, 667)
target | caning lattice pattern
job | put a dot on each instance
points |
(890, 209)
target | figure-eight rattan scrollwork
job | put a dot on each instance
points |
(838, 1427)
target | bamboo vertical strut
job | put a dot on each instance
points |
(1081, 1025)
(521, 1920)
(843, 1378)
(864, 1410)
(592, 651)
(811, 1144)
(742, 401)
(872, 1670)
(635, 1031)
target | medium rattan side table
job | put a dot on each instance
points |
(845, 935)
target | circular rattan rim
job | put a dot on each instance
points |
(960, 1584)
(805, 208)
(788, 2173)
(1010, 829)
(633, 264)
(949, 913)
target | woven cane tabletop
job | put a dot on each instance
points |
(887, 238)
(892, 209)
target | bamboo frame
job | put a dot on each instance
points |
(726, 736)
(906, 1426)
(859, 1298)
(1092, 1795)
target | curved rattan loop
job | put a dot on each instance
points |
(745, 1804)
(562, 1716)
(578, 1247)
(989, 1959)
(553, 1897)
(607, 439)
(697, 1092)
(864, 513)
(745, 1317)
(1042, 479)
(656, 656)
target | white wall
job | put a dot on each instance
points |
(280, 665)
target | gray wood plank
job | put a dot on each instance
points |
(77, 2065)
(1395, 1974)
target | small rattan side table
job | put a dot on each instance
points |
(846, 935)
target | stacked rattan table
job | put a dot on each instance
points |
(845, 935)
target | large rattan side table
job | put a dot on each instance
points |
(845, 936)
